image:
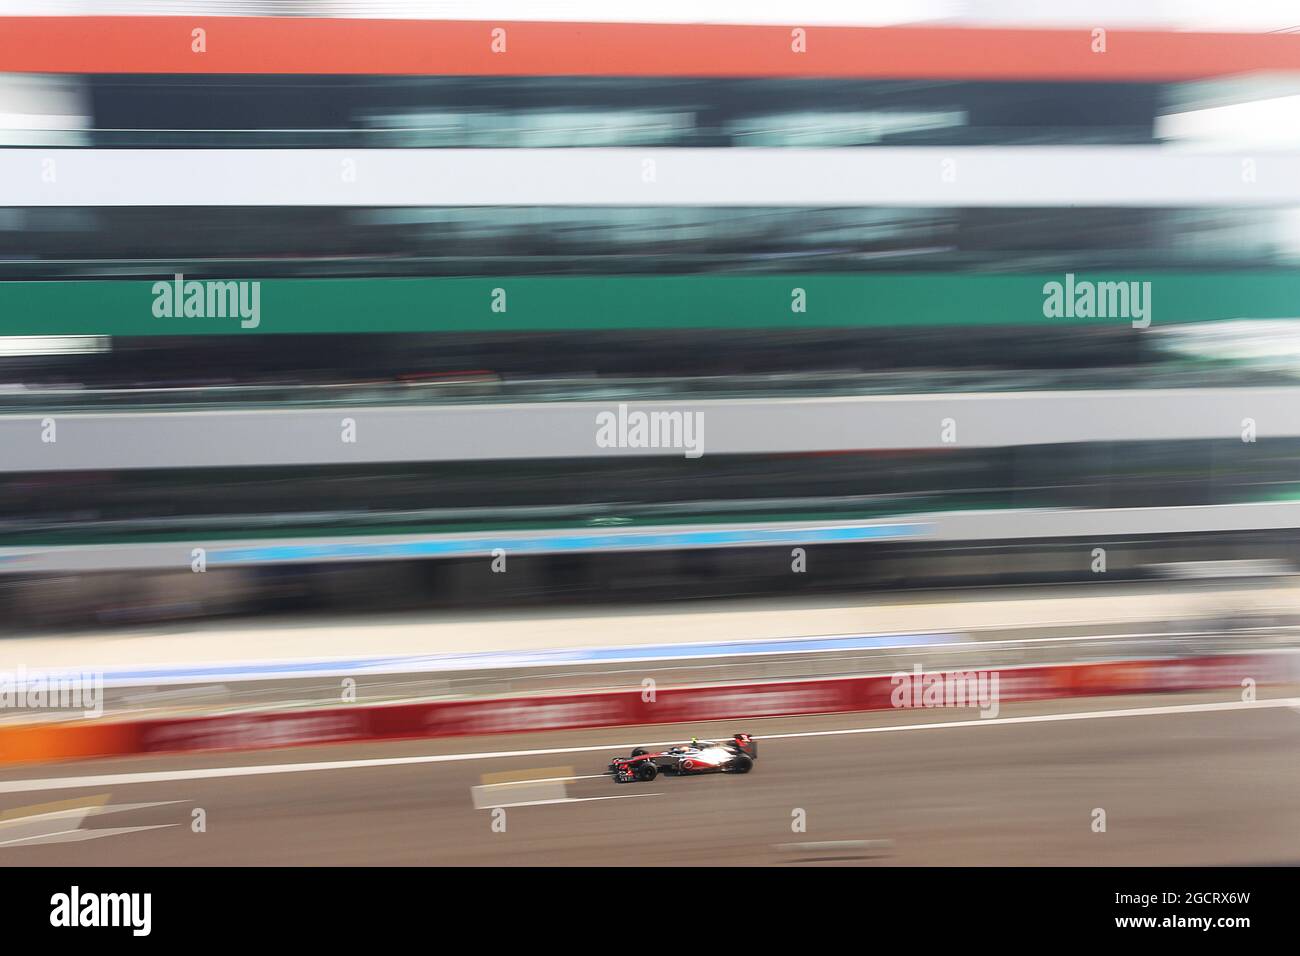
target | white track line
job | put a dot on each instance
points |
(208, 773)
(424, 665)
(543, 803)
(516, 783)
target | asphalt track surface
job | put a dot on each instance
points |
(1187, 779)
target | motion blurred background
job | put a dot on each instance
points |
(1104, 498)
(870, 335)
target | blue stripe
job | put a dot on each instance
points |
(619, 541)
(487, 659)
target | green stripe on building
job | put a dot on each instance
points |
(511, 304)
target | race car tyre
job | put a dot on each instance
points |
(743, 764)
(647, 772)
(639, 751)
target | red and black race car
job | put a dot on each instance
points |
(736, 755)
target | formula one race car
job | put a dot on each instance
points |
(736, 755)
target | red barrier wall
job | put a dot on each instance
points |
(357, 723)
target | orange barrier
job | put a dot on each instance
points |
(68, 741)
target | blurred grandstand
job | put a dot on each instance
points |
(933, 301)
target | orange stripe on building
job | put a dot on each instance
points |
(291, 45)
